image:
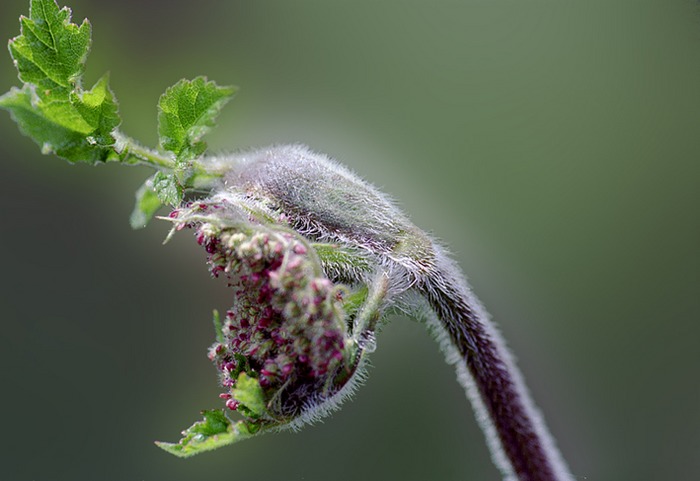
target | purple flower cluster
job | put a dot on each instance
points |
(286, 326)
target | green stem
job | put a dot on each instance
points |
(199, 177)
(142, 155)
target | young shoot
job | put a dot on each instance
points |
(315, 257)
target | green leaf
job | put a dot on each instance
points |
(147, 203)
(168, 189)
(51, 51)
(218, 327)
(52, 107)
(249, 394)
(98, 108)
(213, 432)
(186, 112)
(354, 300)
(217, 430)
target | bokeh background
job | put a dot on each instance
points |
(553, 145)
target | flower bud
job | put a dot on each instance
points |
(287, 327)
(286, 227)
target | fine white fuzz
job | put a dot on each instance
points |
(405, 270)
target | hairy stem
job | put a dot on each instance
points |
(199, 178)
(142, 155)
(519, 440)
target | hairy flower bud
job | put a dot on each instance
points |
(289, 228)
(287, 328)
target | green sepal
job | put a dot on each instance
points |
(214, 431)
(334, 255)
(186, 112)
(249, 394)
(218, 327)
(354, 301)
(147, 204)
(168, 189)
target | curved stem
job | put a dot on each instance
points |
(520, 443)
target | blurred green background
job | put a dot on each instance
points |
(555, 146)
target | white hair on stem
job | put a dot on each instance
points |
(326, 202)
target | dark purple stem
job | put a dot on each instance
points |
(523, 438)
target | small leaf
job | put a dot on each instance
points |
(98, 108)
(186, 112)
(168, 189)
(249, 394)
(147, 203)
(51, 107)
(213, 432)
(354, 301)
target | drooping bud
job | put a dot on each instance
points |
(287, 349)
(286, 327)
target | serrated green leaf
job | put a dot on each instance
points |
(213, 432)
(51, 51)
(49, 135)
(99, 110)
(57, 127)
(51, 107)
(186, 112)
(249, 394)
(168, 189)
(147, 203)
